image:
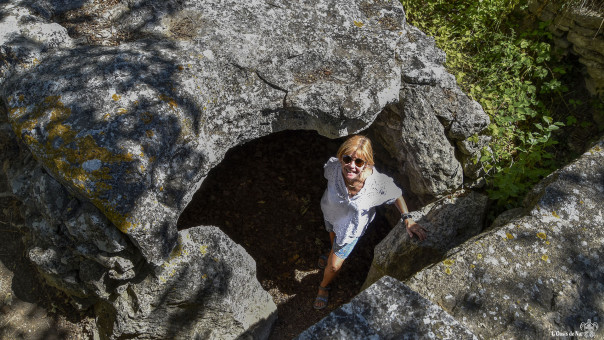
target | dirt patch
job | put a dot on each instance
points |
(266, 196)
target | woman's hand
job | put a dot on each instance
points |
(415, 229)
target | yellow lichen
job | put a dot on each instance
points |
(358, 24)
(555, 214)
(146, 117)
(448, 271)
(509, 236)
(64, 152)
(541, 236)
(203, 249)
(116, 97)
(479, 256)
(448, 262)
(544, 257)
(169, 100)
(176, 252)
(472, 266)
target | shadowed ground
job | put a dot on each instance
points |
(266, 196)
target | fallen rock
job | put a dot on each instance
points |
(449, 222)
(203, 291)
(120, 125)
(431, 116)
(388, 310)
(539, 273)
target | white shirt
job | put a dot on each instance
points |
(351, 215)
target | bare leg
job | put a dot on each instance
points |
(332, 236)
(334, 263)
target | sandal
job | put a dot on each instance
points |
(322, 299)
(322, 262)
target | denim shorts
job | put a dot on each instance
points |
(342, 251)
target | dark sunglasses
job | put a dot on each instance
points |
(357, 161)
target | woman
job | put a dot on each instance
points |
(354, 189)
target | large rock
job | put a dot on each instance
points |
(208, 280)
(204, 291)
(540, 273)
(135, 128)
(388, 310)
(449, 222)
(432, 115)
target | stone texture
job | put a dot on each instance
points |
(540, 272)
(449, 222)
(135, 128)
(581, 33)
(388, 310)
(80, 252)
(203, 291)
(432, 113)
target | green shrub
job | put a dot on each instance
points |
(512, 75)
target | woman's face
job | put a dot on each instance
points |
(350, 170)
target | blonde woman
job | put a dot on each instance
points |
(354, 189)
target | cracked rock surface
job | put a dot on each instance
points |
(135, 128)
(540, 272)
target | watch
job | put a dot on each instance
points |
(405, 216)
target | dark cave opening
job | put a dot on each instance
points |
(265, 195)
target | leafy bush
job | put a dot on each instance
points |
(513, 75)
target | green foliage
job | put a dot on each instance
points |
(512, 75)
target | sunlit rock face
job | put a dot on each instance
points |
(135, 128)
(539, 273)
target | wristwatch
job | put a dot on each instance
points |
(405, 216)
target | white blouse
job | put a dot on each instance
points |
(351, 215)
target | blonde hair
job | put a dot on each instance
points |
(362, 146)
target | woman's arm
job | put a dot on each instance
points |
(412, 226)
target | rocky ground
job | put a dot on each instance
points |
(265, 195)
(28, 308)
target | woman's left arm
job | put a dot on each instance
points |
(411, 226)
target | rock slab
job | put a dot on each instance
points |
(135, 128)
(539, 273)
(449, 222)
(203, 291)
(388, 310)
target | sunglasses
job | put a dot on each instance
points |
(357, 161)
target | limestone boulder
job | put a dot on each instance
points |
(388, 310)
(135, 128)
(25, 38)
(203, 291)
(449, 222)
(432, 115)
(110, 132)
(538, 274)
(206, 288)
